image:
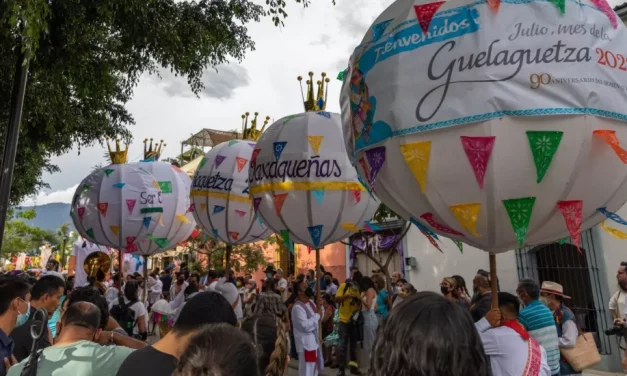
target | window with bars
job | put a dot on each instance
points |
(578, 272)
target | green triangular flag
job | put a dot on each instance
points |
(560, 4)
(108, 171)
(90, 233)
(232, 142)
(563, 240)
(519, 211)
(85, 189)
(459, 245)
(543, 145)
(160, 242)
(340, 76)
(202, 163)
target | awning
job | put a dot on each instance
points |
(191, 167)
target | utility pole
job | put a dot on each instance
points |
(12, 135)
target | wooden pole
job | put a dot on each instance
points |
(146, 280)
(120, 263)
(227, 269)
(493, 281)
(318, 304)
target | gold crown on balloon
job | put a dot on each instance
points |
(317, 102)
(118, 156)
(152, 153)
(251, 132)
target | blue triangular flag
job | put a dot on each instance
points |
(259, 220)
(245, 191)
(373, 226)
(319, 195)
(119, 185)
(379, 29)
(215, 232)
(325, 114)
(278, 149)
(316, 234)
(423, 228)
(217, 209)
(232, 142)
(147, 221)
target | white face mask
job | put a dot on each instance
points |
(544, 300)
(23, 317)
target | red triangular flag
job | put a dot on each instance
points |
(102, 207)
(130, 204)
(81, 212)
(278, 202)
(425, 12)
(191, 208)
(572, 212)
(253, 159)
(432, 241)
(494, 5)
(241, 163)
(234, 234)
(357, 195)
(478, 150)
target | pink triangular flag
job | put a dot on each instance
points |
(572, 212)
(439, 227)
(253, 159)
(478, 150)
(241, 213)
(607, 9)
(494, 5)
(130, 204)
(241, 163)
(191, 208)
(234, 234)
(425, 12)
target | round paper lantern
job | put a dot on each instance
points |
(176, 223)
(220, 200)
(495, 124)
(118, 205)
(302, 182)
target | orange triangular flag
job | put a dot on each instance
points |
(203, 206)
(278, 202)
(417, 156)
(115, 230)
(609, 136)
(425, 12)
(241, 163)
(494, 5)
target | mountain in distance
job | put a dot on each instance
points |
(50, 216)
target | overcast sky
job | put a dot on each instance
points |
(319, 38)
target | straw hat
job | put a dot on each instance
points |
(553, 288)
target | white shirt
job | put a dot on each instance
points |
(172, 289)
(282, 283)
(507, 351)
(617, 303)
(332, 289)
(138, 308)
(229, 291)
(112, 294)
(212, 285)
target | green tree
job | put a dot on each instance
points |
(20, 237)
(66, 239)
(88, 56)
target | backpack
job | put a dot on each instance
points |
(124, 315)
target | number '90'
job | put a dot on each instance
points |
(537, 80)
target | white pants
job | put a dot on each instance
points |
(306, 369)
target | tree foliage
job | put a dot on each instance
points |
(87, 57)
(20, 237)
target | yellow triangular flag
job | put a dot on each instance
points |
(182, 218)
(350, 227)
(115, 230)
(203, 206)
(466, 215)
(618, 234)
(160, 221)
(416, 156)
(315, 142)
(154, 182)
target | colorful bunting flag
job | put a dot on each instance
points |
(253, 158)
(159, 221)
(130, 204)
(374, 226)
(432, 241)
(161, 242)
(572, 212)
(234, 235)
(191, 208)
(165, 186)
(618, 234)
(241, 163)
(287, 119)
(425, 12)
(609, 136)
(256, 202)
(115, 230)
(147, 221)
(478, 150)
(560, 4)
(543, 146)
(424, 229)
(90, 233)
(376, 159)
(214, 231)
(319, 195)
(519, 211)
(217, 209)
(438, 226)
(607, 9)
(252, 144)
(613, 216)
(278, 148)
(278, 202)
(203, 206)
(202, 163)
(119, 185)
(233, 142)
(379, 29)
(466, 215)
(102, 208)
(108, 171)
(563, 240)
(340, 76)
(314, 142)
(85, 189)
(324, 113)
(494, 5)
(182, 218)
(367, 228)
(357, 196)
(459, 245)
(241, 213)
(81, 212)
(285, 238)
(350, 227)
(156, 185)
(316, 234)
(417, 156)
(219, 160)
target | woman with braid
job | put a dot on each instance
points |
(271, 341)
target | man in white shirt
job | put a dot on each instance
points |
(281, 283)
(512, 351)
(212, 280)
(305, 320)
(617, 301)
(229, 291)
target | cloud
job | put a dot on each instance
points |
(64, 196)
(220, 82)
(323, 40)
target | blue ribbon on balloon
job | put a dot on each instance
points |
(613, 216)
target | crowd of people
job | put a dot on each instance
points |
(226, 325)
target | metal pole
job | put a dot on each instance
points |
(318, 279)
(13, 131)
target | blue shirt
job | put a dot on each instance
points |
(539, 322)
(382, 306)
(6, 350)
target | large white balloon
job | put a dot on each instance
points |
(498, 129)
(221, 203)
(176, 223)
(117, 206)
(303, 184)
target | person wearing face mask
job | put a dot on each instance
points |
(178, 287)
(331, 287)
(552, 296)
(305, 319)
(14, 310)
(406, 290)
(448, 288)
(270, 271)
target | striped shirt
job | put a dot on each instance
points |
(539, 322)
